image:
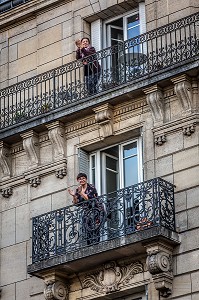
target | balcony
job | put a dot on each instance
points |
(112, 226)
(125, 68)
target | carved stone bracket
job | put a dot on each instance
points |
(104, 117)
(6, 193)
(56, 136)
(184, 93)
(155, 97)
(31, 147)
(55, 287)
(159, 263)
(56, 290)
(5, 161)
(160, 140)
(61, 173)
(189, 129)
(34, 182)
(112, 277)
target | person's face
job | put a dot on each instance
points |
(82, 180)
(85, 43)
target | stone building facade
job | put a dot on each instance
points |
(147, 110)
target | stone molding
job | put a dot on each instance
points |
(34, 176)
(123, 111)
(112, 277)
(5, 161)
(160, 264)
(127, 108)
(104, 117)
(56, 136)
(184, 93)
(155, 97)
(55, 167)
(31, 147)
(186, 125)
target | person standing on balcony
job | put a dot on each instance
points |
(91, 216)
(91, 65)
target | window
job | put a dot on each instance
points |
(118, 29)
(116, 167)
(124, 61)
(111, 169)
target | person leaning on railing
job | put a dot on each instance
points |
(91, 215)
(91, 68)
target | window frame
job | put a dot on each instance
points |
(98, 164)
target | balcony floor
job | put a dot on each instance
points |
(92, 256)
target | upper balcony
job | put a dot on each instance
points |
(127, 68)
(115, 225)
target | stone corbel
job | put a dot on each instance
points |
(184, 93)
(56, 136)
(34, 182)
(155, 97)
(7, 192)
(5, 161)
(104, 117)
(31, 147)
(160, 140)
(159, 263)
(55, 287)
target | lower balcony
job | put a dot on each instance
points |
(113, 226)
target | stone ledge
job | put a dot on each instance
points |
(85, 106)
(117, 248)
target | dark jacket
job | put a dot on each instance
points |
(91, 66)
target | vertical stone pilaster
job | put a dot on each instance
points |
(31, 147)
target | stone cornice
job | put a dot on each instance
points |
(123, 110)
(27, 10)
(38, 172)
(176, 125)
(82, 124)
(129, 107)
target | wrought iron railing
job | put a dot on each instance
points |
(9, 4)
(124, 212)
(139, 57)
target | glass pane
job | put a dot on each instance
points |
(93, 176)
(117, 34)
(130, 171)
(130, 149)
(93, 161)
(111, 181)
(133, 21)
(132, 32)
(111, 163)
